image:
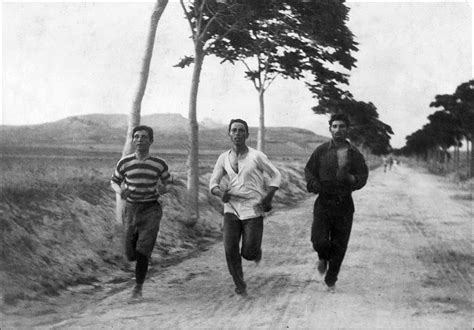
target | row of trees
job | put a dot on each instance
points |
(272, 38)
(447, 129)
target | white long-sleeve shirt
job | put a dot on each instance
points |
(247, 187)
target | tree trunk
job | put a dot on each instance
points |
(261, 121)
(468, 163)
(471, 168)
(134, 117)
(458, 156)
(192, 206)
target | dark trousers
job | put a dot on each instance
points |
(142, 223)
(330, 232)
(251, 232)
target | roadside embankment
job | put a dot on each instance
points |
(59, 232)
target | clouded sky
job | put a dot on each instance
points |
(62, 59)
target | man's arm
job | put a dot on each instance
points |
(124, 193)
(267, 200)
(223, 195)
(116, 184)
(361, 172)
(274, 184)
(216, 177)
(166, 178)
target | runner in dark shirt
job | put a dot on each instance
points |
(334, 170)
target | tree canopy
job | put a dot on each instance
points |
(447, 127)
(288, 38)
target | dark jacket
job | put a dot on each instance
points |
(321, 170)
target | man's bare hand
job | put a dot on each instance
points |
(125, 193)
(225, 196)
(162, 189)
(266, 203)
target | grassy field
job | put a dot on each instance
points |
(57, 218)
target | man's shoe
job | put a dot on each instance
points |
(332, 288)
(137, 291)
(241, 292)
(322, 266)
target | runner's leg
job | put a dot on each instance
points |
(130, 231)
(340, 234)
(252, 238)
(231, 234)
(320, 231)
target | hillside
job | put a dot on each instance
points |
(91, 128)
(107, 132)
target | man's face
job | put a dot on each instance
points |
(338, 130)
(238, 134)
(141, 140)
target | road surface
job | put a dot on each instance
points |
(408, 265)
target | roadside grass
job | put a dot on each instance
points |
(459, 176)
(57, 215)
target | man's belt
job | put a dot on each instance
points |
(334, 197)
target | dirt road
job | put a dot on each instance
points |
(409, 265)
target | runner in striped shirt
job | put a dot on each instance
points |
(136, 179)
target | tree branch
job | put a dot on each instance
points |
(187, 17)
(250, 70)
(271, 81)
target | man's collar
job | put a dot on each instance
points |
(141, 159)
(333, 145)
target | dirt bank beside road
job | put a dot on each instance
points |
(408, 266)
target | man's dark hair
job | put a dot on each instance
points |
(243, 122)
(339, 116)
(148, 129)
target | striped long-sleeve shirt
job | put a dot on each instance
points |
(141, 177)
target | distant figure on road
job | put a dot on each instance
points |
(385, 163)
(136, 179)
(245, 199)
(390, 162)
(334, 170)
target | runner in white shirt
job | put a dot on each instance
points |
(246, 199)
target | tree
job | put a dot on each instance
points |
(434, 139)
(444, 129)
(210, 21)
(134, 117)
(419, 143)
(291, 39)
(461, 106)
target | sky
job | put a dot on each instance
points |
(61, 59)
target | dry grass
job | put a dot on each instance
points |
(58, 226)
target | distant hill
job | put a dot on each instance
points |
(170, 133)
(91, 128)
